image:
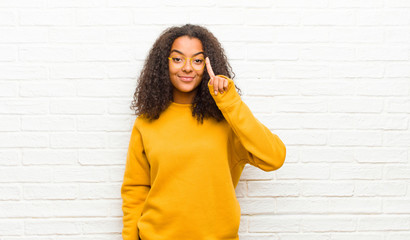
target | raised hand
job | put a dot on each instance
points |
(220, 84)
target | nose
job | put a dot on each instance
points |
(187, 66)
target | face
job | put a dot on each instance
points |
(186, 76)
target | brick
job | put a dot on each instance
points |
(397, 35)
(35, 106)
(10, 192)
(80, 174)
(380, 188)
(48, 123)
(305, 236)
(398, 105)
(23, 35)
(9, 158)
(50, 192)
(8, 54)
(251, 172)
(305, 171)
(52, 227)
(106, 88)
(11, 227)
(300, 4)
(271, 52)
(273, 224)
(397, 70)
(82, 70)
(301, 35)
(100, 191)
(356, 4)
(328, 224)
(272, 18)
(110, 17)
(77, 106)
(257, 206)
(241, 189)
(383, 223)
(357, 236)
(146, 35)
(74, 3)
(47, 54)
(273, 189)
(27, 174)
(49, 157)
(398, 4)
(382, 53)
(47, 89)
(22, 4)
(300, 104)
(328, 18)
(22, 72)
(358, 171)
(47, 17)
(290, 206)
(352, 105)
(259, 104)
(323, 155)
(306, 138)
(326, 87)
(9, 123)
(132, 3)
(76, 35)
(257, 236)
(120, 106)
(102, 157)
(329, 189)
(356, 35)
(397, 172)
(102, 226)
(382, 155)
(377, 121)
(355, 205)
(355, 138)
(29, 140)
(301, 71)
(77, 140)
(396, 139)
(398, 206)
(268, 87)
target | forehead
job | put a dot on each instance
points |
(186, 45)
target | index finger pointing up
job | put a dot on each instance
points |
(209, 68)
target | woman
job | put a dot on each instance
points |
(190, 142)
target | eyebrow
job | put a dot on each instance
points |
(174, 50)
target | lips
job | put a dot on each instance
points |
(186, 78)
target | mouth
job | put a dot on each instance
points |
(186, 78)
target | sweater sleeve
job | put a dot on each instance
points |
(254, 143)
(136, 185)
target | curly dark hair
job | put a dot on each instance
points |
(154, 91)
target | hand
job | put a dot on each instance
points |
(220, 83)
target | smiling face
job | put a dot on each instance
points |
(185, 77)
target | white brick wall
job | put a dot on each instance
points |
(330, 77)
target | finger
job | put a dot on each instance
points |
(225, 84)
(209, 68)
(216, 85)
(221, 85)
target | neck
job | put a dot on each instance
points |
(184, 98)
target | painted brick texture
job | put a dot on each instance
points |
(330, 77)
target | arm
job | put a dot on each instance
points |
(263, 148)
(136, 185)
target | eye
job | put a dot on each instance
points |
(198, 61)
(177, 59)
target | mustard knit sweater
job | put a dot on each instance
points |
(180, 175)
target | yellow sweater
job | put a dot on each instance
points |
(180, 175)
